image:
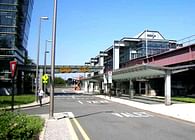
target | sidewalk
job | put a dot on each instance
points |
(183, 111)
(58, 128)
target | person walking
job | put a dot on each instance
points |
(40, 94)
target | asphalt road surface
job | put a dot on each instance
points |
(100, 119)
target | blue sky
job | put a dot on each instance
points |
(85, 27)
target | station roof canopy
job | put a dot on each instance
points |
(140, 71)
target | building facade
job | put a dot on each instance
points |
(145, 44)
(146, 64)
(15, 18)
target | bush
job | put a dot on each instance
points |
(19, 126)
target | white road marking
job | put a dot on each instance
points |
(117, 114)
(104, 101)
(97, 102)
(126, 114)
(80, 102)
(94, 102)
(89, 102)
(133, 115)
(73, 97)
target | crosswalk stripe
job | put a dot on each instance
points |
(80, 102)
(133, 114)
(117, 114)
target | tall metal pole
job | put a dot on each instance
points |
(44, 72)
(51, 107)
(37, 66)
(45, 57)
(45, 62)
(38, 49)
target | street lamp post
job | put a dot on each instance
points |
(38, 50)
(45, 61)
(51, 106)
(45, 56)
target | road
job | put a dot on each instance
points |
(100, 119)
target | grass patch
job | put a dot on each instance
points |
(18, 100)
(184, 99)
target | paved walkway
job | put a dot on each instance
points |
(60, 127)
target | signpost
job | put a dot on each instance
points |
(65, 70)
(13, 65)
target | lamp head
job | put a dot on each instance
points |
(44, 18)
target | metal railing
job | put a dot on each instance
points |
(187, 41)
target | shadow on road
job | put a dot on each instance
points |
(81, 116)
(66, 94)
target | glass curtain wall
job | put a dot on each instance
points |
(15, 16)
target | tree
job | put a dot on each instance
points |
(59, 81)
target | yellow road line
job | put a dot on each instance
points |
(83, 133)
(73, 133)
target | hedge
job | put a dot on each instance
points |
(19, 126)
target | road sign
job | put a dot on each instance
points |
(84, 69)
(65, 70)
(13, 67)
(45, 79)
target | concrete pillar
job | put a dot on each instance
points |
(91, 87)
(140, 88)
(118, 91)
(116, 57)
(105, 89)
(131, 89)
(146, 88)
(86, 86)
(101, 63)
(168, 88)
(105, 84)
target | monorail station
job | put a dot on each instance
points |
(147, 64)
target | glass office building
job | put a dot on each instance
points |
(15, 17)
(145, 44)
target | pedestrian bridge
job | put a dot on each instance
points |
(61, 68)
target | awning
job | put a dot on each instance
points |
(142, 72)
(139, 72)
